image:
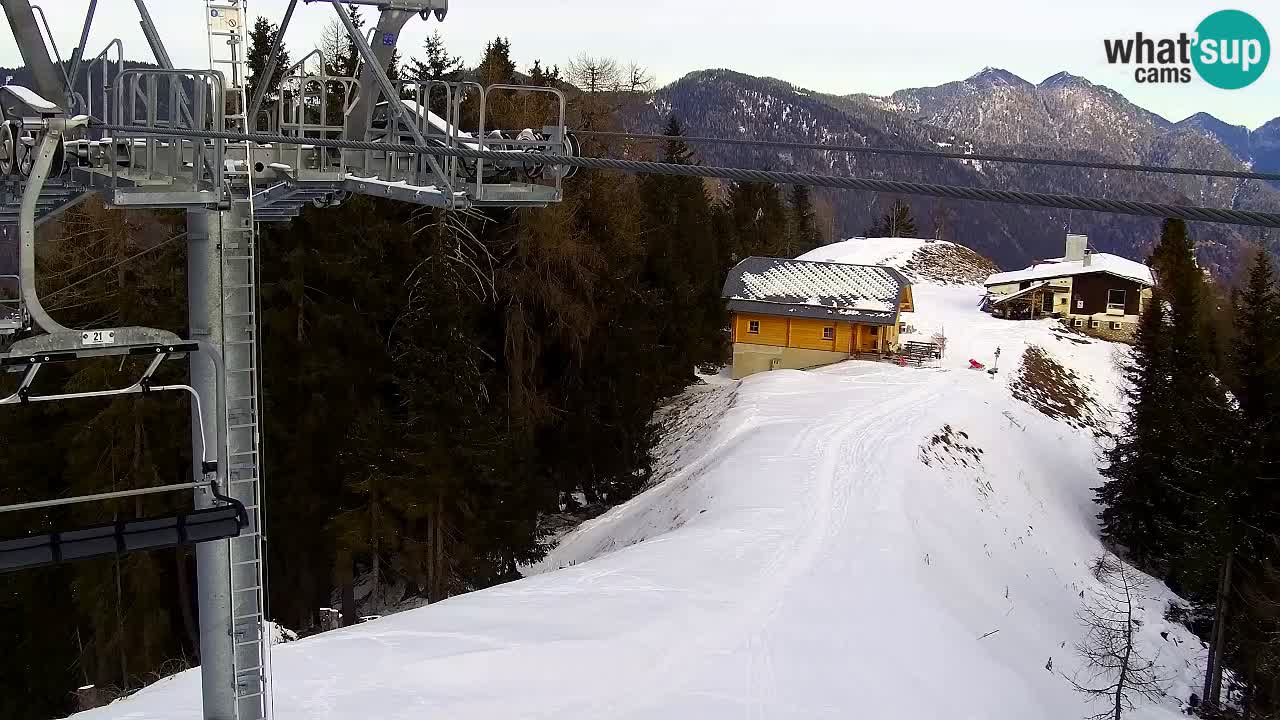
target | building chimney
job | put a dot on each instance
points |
(1077, 246)
(1088, 258)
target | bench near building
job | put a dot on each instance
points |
(1097, 293)
(799, 314)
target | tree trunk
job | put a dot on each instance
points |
(1128, 649)
(344, 573)
(1217, 642)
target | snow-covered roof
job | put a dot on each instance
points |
(1059, 267)
(1025, 291)
(803, 288)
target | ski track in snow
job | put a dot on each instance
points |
(803, 563)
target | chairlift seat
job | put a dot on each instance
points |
(121, 537)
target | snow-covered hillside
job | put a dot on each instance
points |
(863, 540)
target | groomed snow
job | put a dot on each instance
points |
(801, 562)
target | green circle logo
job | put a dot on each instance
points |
(1232, 49)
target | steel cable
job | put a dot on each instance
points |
(955, 192)
(863, 149)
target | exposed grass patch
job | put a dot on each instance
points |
(1056, 391)
(948, 263)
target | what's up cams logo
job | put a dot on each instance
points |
(1228, 50)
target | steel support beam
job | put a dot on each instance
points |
(374, 71)
(385, 37)
(77, 54)
(48, 78)
(213, 559)
(153, 37)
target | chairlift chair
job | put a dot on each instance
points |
(59, 344)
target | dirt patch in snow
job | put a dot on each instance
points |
(949, 446)
(948, 263)
(952, 448)
(1044, 384)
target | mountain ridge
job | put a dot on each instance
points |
(1065, 116)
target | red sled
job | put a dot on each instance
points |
(975, 365)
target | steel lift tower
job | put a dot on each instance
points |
(55, 149)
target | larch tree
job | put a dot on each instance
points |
(1116, 672)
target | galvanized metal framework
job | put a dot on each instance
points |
(53, 152)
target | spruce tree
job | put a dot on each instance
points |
(437, 64)
(1255, 502)
(496, 66)
(897, 222)
(803, 232)
(1205, 490)
(1256, 354)
(261, 38)
(683, 263)
(1139, 464)
(758, 218)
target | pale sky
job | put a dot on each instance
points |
(836, 46)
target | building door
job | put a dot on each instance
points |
(865, 338)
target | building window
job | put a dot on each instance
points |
(1115, 326)
(1115, 299)
(875, 330)
(1093, 324)
(753, 327)
(828, 333)
(1078, 322)
(1079, 303)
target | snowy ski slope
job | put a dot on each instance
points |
(813, 556)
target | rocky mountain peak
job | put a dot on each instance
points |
(995, 77)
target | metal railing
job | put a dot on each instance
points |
(178, 99)
(316, 106)
(12, 315)
(102, 61)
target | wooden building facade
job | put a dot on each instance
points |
(795, 314)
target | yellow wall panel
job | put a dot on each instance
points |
(844, 337)
(807, 333)
(773, 330)
(907, 304)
